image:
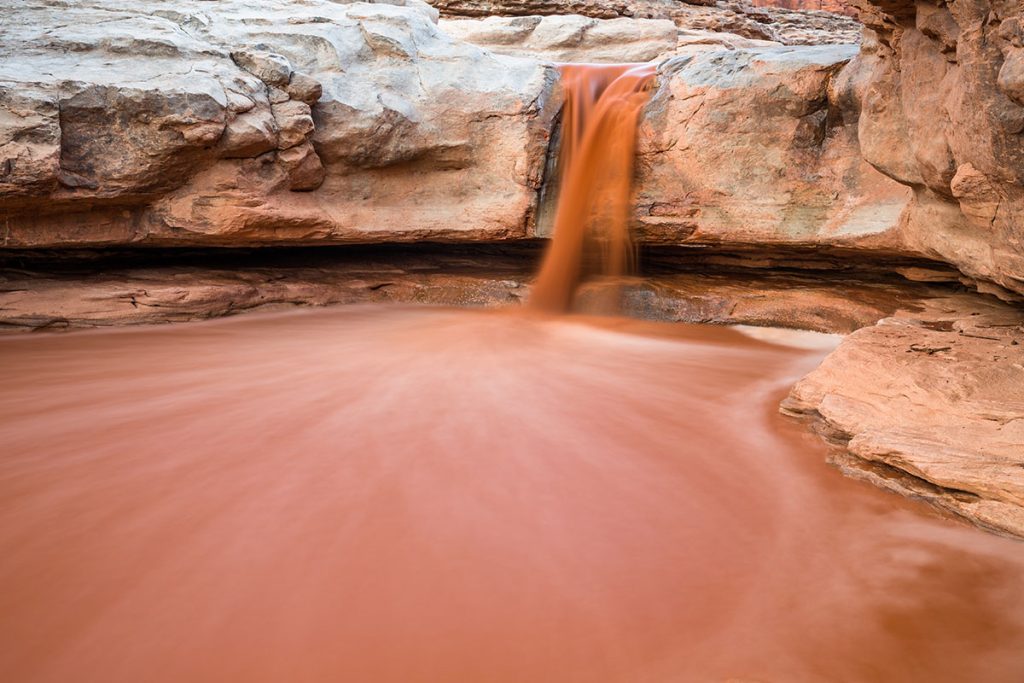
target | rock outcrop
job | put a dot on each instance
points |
(942, 92)
(599, 9)
(929, 403)
(839, 6)
(326, 122)
(737, 17)
(760, 147)
(222, 123)
(576, 38)
(569, 38)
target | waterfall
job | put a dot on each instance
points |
(603, 104)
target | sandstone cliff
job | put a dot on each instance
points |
(941, 87)
(337, 122)
(759, 147)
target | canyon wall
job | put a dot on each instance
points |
(326, 122)
(942, 89)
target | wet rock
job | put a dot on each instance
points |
(683, 288)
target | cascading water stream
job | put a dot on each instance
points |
(603, 103)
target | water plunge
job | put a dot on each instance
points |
(595, 167)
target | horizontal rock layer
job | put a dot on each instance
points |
(49, 291)
(721, 16)
(576, 38)
(840, 6)
(929, 403)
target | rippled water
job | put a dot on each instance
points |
(401, 494)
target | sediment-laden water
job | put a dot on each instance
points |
(603, 104)
(399, 494)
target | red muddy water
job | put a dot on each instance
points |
(603, 103)
(401, 494)
(410, 495)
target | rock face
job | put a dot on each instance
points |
(760, 147)
(737, 17)
(576, 38)
(942, 88)
(929, 403)
(839, 6)
(600, 9)
(569, 38)
(317, 122)
(216, 124)
(221, 123)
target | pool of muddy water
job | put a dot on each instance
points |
(382, 494)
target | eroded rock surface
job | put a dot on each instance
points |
(737, 17)
(225, 123)
(942, 87)
(840, 6)
(133, 288)
(569, 38)
(930, 403)
(760, 147)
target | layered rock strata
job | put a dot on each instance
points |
(839, 6)
(576, 38)
(928, 403)
(737, 17)
(103, 289)
(330, 122)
